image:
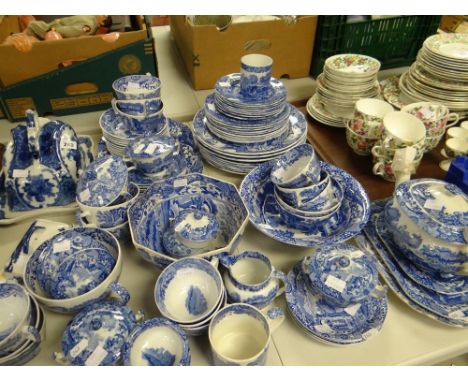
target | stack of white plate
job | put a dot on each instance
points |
(237, 133)
(440, 73)
(317, 111)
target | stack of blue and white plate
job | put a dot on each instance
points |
(247, 120)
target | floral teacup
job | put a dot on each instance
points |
(368, 117)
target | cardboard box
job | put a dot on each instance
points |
(79, 88)
(209, 53)
(453, 24)
(47, 56)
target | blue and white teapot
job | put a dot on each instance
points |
(41, 164)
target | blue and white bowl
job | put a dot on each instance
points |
(103, 181)
(188, 290)
(155, 210)
(342, 273)
(137, 87)
(157, 342)
(96, 335)
(109, 286)
(151, 154)
(297, 168)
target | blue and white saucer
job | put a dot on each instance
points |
(428, 301)
(257, 192)
(96, 335)
(323, 320)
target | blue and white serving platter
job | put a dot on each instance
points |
(257, 192)
(7, 217)
(327, 322)
(96, 335)
(418, 297)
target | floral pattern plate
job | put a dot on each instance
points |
(318, 112)
(350, 64)
(342, 326)
(257, 192)
(451, 45)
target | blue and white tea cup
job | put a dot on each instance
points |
(137, 87)
(255, 75)
(108, 216)
(156, 342)
(252, 279)
(240, 334)
(141, 124)
(136, 107)
(152, 154)
(197, 229)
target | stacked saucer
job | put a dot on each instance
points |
(247, 120)
(346, 78)
(440, 73)
(335, 295)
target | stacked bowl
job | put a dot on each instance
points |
(440, 73)
(346, 78)
(75, 268)
(104, 195)
(335, 295)
(22, 326)
(456, 145)
(366, 127)
(247, 120)
(136, 111)
(190, 292)
(306, 194)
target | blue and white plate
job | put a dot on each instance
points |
(342, 326)
(267, 149)
(438, 207)
(228, 88)
(342, 273)
(102, 182)
(257, 192)
(428, 300)
(98, 333)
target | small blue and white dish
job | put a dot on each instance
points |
(257, 191)
(148, 224)
(96, 335)
(342, 273)
(103, 181)
(151, 154)
(188, 290)
(325, 321)
(196, 228)
(297, 168)
(157, 342)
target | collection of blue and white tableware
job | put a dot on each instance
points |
(247, 120)
(41, 166)
(22, 326)
(335, 295)
(419, 237)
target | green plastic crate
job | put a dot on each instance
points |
(394, 41)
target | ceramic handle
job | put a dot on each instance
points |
(378, 168)
(455, 118)
(380, 291)
(31, 334)
(282, 277)
(60, 358)
(275, 317)
(140, 315)
(214, 261)
(119, 293)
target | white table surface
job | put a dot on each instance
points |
(407, 338)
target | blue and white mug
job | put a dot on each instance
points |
(255, 75)
(240, 334)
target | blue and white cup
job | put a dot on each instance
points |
(252, 279)
(240, 334)
(141, 124)
(255, 75)
(152, 154)
(139, 108)
(137, 87)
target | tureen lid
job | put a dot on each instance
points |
(342, 273)
(96, 335)
(438, 207)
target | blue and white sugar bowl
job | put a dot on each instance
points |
(250, 278)
(343, 274)
(96, 335)
(197, 228)
(157, 342)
